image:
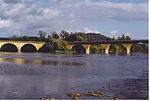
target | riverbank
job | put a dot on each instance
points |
(65, 52)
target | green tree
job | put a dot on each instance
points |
(49, 37)
(80, 36)
(118, 48)
(62, 44)
(25, 38)
(44, 35)
(123, 37)
(55, 35)
(128, 38)
(119, 38)
(136, 48)
(47, 47)
(71, 37)
(64, 34)
(13, 37)
(40, 34)
(89, 37)
(113, 38)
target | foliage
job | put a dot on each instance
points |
(64, 34)
(47, 47)
(123, 37)
(42, 35)
(113, 38)
(118, 48)
(138, 48)
(96, 48)
(13, 37)
(81, 36)
(78, 48)
(53, 43)
(62, 45)
(50, 45)
(128, 38)
(98, 36)
(25, 38)
(49, 38)
(55, 35)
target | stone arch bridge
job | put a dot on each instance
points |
(20, 44)
(106, 44)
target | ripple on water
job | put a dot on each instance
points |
(37, 76)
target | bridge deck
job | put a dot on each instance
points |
(39, 42)
(109, 42)
(85, 42)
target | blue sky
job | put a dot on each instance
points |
(108, 17)
(131, 1)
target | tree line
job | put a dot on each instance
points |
(58, 42)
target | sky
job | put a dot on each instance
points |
(111, 18)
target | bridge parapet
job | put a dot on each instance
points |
(12, 41)
(109, 42)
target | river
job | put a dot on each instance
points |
(44, 75)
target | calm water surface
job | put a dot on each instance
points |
(42, 75)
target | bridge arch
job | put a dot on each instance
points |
(9, 47)
(79, 48)
(96, 48)
(19, 44)
(139, 47)
(28, 48)
(116, 48)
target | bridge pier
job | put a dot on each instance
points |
(19, 49)
(69, 47)
(37, 49)
(87, 47)
(128, 46)
(106, 46)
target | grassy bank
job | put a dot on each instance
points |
(65, 52)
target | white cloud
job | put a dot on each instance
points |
(114, 32)
(30, 17)
(128, 34)
(90, 31)
(98, 11)
(5, 23)
(60, 1)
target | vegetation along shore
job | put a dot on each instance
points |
(57, 43)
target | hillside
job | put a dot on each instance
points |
(98, 36)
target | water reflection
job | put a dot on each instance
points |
(53, 75)
(42, 62)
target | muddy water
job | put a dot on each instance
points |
(42, 75)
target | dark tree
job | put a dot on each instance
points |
(128, 38)
(55, 35)
(64, 34)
